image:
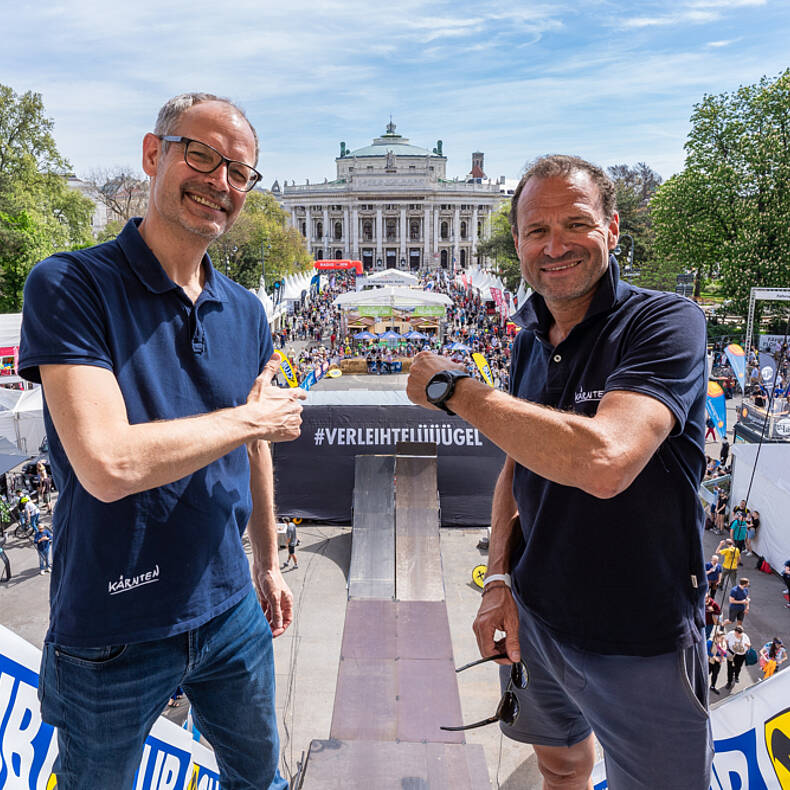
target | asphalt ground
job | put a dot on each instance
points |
(307, 655)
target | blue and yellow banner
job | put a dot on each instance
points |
(288, 370)
(716, 407)
(482, 366)
(737, 360)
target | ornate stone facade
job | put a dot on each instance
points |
(392, 206)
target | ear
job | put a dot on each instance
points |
(515, 240)
(613, 231)
(152, 150)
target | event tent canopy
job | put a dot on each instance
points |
(390, 277)
(392, 296)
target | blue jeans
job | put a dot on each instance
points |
(43, 556)
(104, 700)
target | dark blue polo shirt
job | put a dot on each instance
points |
(168, 559)
(641, 341)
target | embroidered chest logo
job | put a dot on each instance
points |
(127, 583)
(583, 396)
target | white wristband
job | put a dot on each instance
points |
(499, 577)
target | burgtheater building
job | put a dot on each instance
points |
(392, 206)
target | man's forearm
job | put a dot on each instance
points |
(262, 526)
(504, 522)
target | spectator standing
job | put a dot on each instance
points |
(44, 484)
(730, 554)
(713, 574)
(32, 512)
(712, 612)
(739, 601)
(786, 577)
(741, 510)
(752, 525)
(4, 558)
(43, 541)
(721, 510)
(772, 654)
(717, 655)
(737, 644)
(290, 539)
(710, 429)
(725, 452)
(738, 531)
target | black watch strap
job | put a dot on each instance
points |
(451, 377)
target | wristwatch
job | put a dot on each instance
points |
(441, 386)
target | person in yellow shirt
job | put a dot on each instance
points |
(730, 555)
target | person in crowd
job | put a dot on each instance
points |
(32, 512)
(4, 558)
(44, 484)
(710, 429)
(741, 510)
(612, 374)
(772, 655)
(43, 541)
(738, 531)
(717, 655)
(712, 612)
(730, 555)
(721, 510)
(786, 578)
(738, 643)
(713, 574)
(739, 601)
(171, 449)
(291, 539)
(752, 525)
(724, 454)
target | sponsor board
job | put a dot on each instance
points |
(171, 760)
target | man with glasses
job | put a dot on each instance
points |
(603, 432)
(158, 406)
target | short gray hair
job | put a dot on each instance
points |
(173, 109)
(553, 165)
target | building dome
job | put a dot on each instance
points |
(391, 141)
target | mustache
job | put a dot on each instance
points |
(211, 194)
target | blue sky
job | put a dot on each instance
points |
(611, 81)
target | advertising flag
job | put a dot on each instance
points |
(737, 360)
(717, 409)
(767, 370)
(482, 366)
(288, 370)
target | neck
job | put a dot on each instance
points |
(179, 252)
(566, 315)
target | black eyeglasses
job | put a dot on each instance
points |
(507, 710)
(205, 159)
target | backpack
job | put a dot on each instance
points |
(751, 657)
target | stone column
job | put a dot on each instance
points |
(404, 231)
(327, 240)
(474, 235)
(293, 217)
(355, 232)
(346, 233)
(308, 227)
(456, 235)
(426, 237)
(435, 229)
(379, 253)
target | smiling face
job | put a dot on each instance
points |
(563, 239)
(199, 203)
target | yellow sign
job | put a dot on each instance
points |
(288, 370)
(479, 575)
(777, 742)
(52, 782)
(482, 366)
(334, 373)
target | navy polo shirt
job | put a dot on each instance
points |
(641, 341)
(168, 559)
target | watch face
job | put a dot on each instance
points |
(436, 390)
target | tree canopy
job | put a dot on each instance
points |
(39, 214)
(499, 247)
(261, 227)
(728, 211)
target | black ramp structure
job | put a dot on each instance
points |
(396, 684)
(372, 570)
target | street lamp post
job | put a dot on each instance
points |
(629, 265)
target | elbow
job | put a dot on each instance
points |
(105, 480)
(608, 475)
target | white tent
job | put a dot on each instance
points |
(10, 329)
(22, 423)
(389, 277)
(392, 296)
(770, 495)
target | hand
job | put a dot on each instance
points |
(276, 411)
(274, 597)
(498, 612)
(423, 367)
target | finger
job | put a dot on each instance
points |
(287, 608)
(275, 616)
(270, 369)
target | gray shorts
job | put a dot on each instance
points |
(650, 715)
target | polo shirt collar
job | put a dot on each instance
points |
(149, 271)
(534, 314)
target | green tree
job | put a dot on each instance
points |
(39, 214)
(499, 247)
(734, 191)
(262, 226)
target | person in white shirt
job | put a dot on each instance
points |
(737, 645)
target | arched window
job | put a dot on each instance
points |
(463, 230)
(367, 230)
(304, 230)
(319, 229)
(463, 259)
(338, 255)
(390, 229)
(479, 228)
(443, 230)
(414, 230)
(338, 230)
(443, 260)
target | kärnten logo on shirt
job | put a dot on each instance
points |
(127, 583)
(583, 396)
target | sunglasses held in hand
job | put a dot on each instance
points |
(507, 710)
